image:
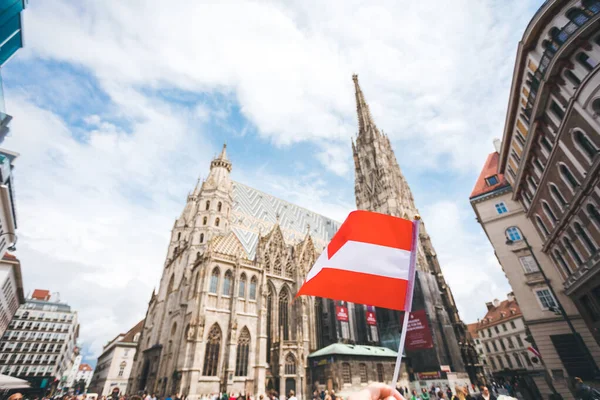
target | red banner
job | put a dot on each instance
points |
(418, 335)
(341, 313)
(371, 318)
(422, 376)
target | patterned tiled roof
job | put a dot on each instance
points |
(255, 212)
(229, 244)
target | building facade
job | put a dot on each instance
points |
(503, 336)
(84, 375)
(551, 147)
(352, 367)
(506, 225)
(472, 328)
(11, 293)
(116, 362)
(39, 344)
(380, 186)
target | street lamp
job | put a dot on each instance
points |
(559, 309)
(12, 247)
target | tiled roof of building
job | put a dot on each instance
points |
(9, 256)
(472, 328)
(353, 350)
(490, 169)
(229, 244)
(505, 311)
(128, 337)
(40, 294)
(85, 367)
(254, 213)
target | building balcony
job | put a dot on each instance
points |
(583, 274)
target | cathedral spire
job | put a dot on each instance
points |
(365, 121)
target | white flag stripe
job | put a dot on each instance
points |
(382, 260)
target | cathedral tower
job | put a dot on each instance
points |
(380, 186)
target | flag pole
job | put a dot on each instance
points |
(409, 297)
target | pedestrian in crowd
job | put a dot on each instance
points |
(327, 396)
(442, 395)
(425, 394)
(16, 396)
(292, 395)
(583, 391)
(485, 394)
(462, 393)
(448, 392)
(153, 397)
(333, 395)
(414, 395)
(169, 397)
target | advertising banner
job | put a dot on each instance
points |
(371, 318)
(422, 376)
(418, 334)
(341, 313)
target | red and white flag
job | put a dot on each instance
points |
(368, 261)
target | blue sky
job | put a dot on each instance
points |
(119, 107)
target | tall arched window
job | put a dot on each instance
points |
(541, 225)
(577, 16)
(207, 204)
(219, 206)
(568, 177)
(585, 238)
(270, 296)
(228, 284)
(546, 144)
(289, 268)
(290, 364)
(558, 197)
(513, 233)
(574, 254)
(214, 281)
(217, 221)
(593, 213)
(346, 373)
(211, 354)
(202, 238)
(171, 284)
(277, 265)
(173, 329)
(571, 77)
(204, 221)
(558, 35)
(560, 260)
(241, 359)
(242, 288)
(533, 183)
(586, 61)
(253, 283)
(364, 376)
(585, 144)
(548, 211)
(179, 236)
(284, 309)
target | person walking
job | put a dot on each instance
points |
(292, 395)
(485, 394)
(462, 393)
(414, 395)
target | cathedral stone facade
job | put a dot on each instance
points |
(224, 318)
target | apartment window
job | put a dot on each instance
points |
(520, 139)
(508, 361)
(577, 16)
(122, 368)
(585, 238)
(487, 347)
(587, 62)
(538, 164)
(541, 225)
(493, 363)
(527, 360)
(502, 344)
(593, 213)
(513, 233)
(574, 254)
(500, 362)
(514, 154)
(494, 345)
(492, 180)
(511, 345)
(567, 176)
(571, 77)
(557, 196)
(504, 328)
(557, 110)
(549, 213)
(546, 299)
(518, 360)
(590, 307)
(501, 208)
(511, 172)
(560, 260)
(532, 182)
(546, 144)
(489, 332)
(584, 144)
(529, 266)
(519, 341)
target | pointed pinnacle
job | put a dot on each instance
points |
(362, 108)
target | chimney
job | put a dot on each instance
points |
(489, 305)
(510, 296)
(497, 144)
(496, 303)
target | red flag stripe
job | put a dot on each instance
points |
(369, 227)
(357, 287)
